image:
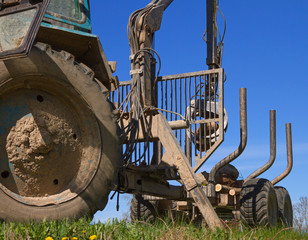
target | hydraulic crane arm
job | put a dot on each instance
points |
(144, 22)
(212, 59)
(142, 26)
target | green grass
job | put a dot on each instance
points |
(164, 229)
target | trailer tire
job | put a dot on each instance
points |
(285, 210)
(258, 203)
(142, 209)
(78, 172)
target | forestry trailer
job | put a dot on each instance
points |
(70, 132)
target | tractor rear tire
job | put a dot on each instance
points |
(285, 210)
(59, 141)
(258, 203)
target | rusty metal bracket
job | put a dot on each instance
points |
(289, 154)
(272, 148)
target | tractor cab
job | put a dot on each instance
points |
(70, 14)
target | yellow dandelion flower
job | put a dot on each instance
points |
(65, 238)
(84, 231)
(49, 238)
(141, 229)
(93, 237)
(74, 238)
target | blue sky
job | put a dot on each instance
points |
(265, 51)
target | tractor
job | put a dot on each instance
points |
(71, 132)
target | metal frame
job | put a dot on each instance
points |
(175, 107)
(175, 156)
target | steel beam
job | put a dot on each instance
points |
(187, 174)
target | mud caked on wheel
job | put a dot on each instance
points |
(285, 210)
(59, 145)
(258, 203)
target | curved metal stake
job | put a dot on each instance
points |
(238, 151)
(290, 156)
(272, 148)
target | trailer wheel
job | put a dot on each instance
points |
(258, 203)
(59, 144)
(285, 210)
(142, 209)
(145, 208)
